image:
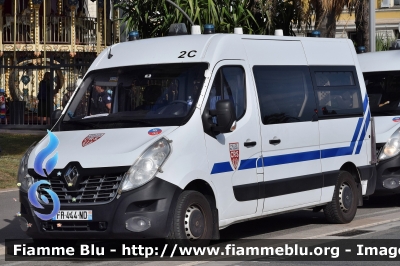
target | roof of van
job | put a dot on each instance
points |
(213, 48)
(380, 61)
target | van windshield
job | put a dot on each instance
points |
(383, 90)
(136, 96)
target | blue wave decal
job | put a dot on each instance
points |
(43, 154)
(35, 202)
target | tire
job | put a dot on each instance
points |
(343, 207)
(192, 222)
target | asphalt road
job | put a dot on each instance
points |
(379, 218)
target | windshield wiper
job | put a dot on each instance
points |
(97, 123)
(127, 121)
(81, 122)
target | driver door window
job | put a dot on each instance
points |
(229, 83)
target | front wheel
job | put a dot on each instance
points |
(192, 220)
(343, 207)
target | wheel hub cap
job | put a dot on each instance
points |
(194, 223)
(345, 197)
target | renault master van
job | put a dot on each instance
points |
(179, 137)
(382, 78)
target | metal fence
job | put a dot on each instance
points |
(56, 31)
(24, 109)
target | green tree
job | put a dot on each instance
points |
(320, 16)
(142, 15)
(362, 23)
(153, 17)
(334, 9)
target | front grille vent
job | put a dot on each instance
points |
(90, 190)
(61, 226)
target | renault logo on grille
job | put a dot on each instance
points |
(71, 176)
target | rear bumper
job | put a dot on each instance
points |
(155, 201)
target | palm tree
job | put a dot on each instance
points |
(326, 14)
(333, 8)
(362, 23)
(290, 14)
(142, 15)
(320, 16)
(153, 17)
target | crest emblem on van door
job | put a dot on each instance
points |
(234, 153)
(91, 138)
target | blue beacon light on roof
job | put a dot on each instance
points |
(133, 35)
(209, 29)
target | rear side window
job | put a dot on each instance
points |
(383, 92)
(337, 91)
(285, 94)
(334, 78)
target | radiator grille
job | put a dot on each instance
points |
(91, 189)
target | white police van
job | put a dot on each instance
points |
(382, 79)
(179, 137)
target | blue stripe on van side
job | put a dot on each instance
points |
(333, 152)
(361, 140)
(365, 104)
(224, 167)
(280, 159)
(365, 126)
(248, 164)
(221, 168)
(291, 158)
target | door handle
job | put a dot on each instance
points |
(274, 141)
(250, 143)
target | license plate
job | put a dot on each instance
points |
(73, 216)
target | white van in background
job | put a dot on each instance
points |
(382, 78)
(179, 137)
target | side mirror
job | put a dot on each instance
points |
(55, 115)
(226, 116)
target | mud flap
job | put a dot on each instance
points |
(360, 196)
(215, 234)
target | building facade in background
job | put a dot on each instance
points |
(63, 37)
(387, 19)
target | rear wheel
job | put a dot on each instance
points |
(343, 206)
(192, 221)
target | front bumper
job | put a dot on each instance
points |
(155, 200)
(388, 171)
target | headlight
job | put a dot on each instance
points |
(392, 146)
(24, 179)
(145, 168)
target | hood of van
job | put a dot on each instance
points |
(97, 148)
(385, 126)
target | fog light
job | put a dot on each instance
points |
(23, 223)
(391, 183)
(137, 224)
